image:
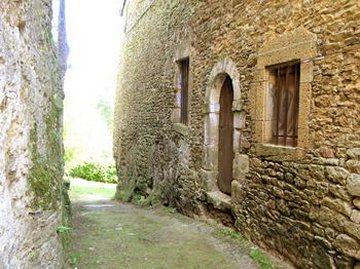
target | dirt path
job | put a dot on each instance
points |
(111, 235)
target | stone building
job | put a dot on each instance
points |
(247, 111)
(31, 165)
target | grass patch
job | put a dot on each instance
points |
(139, 241)
(232, 234)
(80, 189)
(169, 210)
(74, 260)
(64, 229)
(263, 261)
(227, 232)
(130, 197)
(123, 195)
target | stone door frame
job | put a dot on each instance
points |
(225, 67)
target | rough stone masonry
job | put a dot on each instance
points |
(31, 165)
(301, 202)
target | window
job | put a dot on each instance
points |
(281, 94)
(184, 89)
(283, 104)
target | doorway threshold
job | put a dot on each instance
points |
(219, 200)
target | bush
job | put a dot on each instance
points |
(95, 172)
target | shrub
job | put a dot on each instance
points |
(95, 172)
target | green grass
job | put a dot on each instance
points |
(140, 239)
(79, 190)
(227, 232)
(137, 242)
(263, 261)
(258, 256)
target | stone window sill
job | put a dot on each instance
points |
(181, 128)
(279, 153)
(219, 200)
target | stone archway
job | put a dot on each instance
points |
(222, 70)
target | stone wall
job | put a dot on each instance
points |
(31, 165)
(301, 203)
(144, 141)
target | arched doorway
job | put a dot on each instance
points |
(224, 84)
(226, 132)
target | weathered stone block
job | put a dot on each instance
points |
(237, 106)
(181, 128)
(236, 142)
(356, 202)
(219, 200)
(345, 244)
(210, 161)
(237, 192)
(351, 228)
(337, 174)
(353, 184)
(338, 205)
(355, 216)
(353, 166)
(209, 178)
(175, 115)
(239, 120)
(353, 153)
(241, 166)
(339, 191)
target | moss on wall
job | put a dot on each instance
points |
(45, 175)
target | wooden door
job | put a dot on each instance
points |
(226, 153)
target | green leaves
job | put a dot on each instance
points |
(95, 172)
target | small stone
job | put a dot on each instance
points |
(352, 229)
(355, 216)
(326, 152)
(323, 241)
(92, 249)
(330, 232)
(241, 167)
(356, 202)
(345, 244)
(289, 177)
(353, 153)
(353, 166)
(337, 174)
(353, 184)
(338, 205)
(327, 161)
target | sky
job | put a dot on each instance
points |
(94, 32)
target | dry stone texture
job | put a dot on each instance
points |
(299, 203)
(30, 137)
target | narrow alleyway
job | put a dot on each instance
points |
(110, 235)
